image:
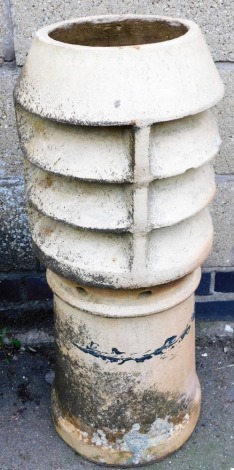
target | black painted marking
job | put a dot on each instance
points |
(93, 345)
(116, 351)
(117, 356)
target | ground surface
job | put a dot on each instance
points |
(28, 440)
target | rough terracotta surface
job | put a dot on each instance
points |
(135, 366)
(118, 183)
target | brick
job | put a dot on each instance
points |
(222, 211)
(216, 310)
(204, 286)
(30, 314)
(224, 281)
(10, 290)
(36, 288)
(214, 18)
(224, 111)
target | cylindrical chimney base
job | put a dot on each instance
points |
(126, 390)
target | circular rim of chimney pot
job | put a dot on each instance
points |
(135, 85)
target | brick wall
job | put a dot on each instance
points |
(215, 296)
(23, 291)
(25, 299)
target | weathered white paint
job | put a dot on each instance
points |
(118, 142)
(124, 303)
(145, 222)
(118, 260)
(110, 206)
(125, 85)
(88, 153)
(182, 144)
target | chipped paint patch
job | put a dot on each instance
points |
(160, 431)
(99, 439)
(127, 448)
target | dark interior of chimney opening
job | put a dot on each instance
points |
(130, 32)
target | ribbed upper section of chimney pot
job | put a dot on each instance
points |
(117, 161)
